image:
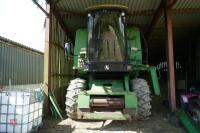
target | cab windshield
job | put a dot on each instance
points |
(106, 37)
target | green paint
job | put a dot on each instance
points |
(80, 43)
(154, 80)
(190, 126)
(107, 85)
(106, 93)
(90, 81)
(130, 103)
(55, 107)
(130, 100)
(134, 45)
(126, 82)
(83, 101)
(97, 90)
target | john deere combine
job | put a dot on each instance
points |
(108, 57)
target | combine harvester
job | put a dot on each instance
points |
(108, 57)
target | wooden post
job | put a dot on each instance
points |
(170, 57)
(47, 57)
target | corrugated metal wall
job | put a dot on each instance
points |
(20, 64)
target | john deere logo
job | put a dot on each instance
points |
(106, 67)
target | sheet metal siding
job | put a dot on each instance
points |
(81, 5)
(133, 5)
(20, 64)
(61, 66)
(180, 19)
(182, 4)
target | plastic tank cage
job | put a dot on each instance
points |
(20, 110)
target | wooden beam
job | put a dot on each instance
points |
(171, 3)
(155, 19)
(59, 46)
(63, 75)
(63, 12)
(41, 8)
(157, 16)
(55, 3)
(68, 32)
(47, 57)
(174, 11)
(186, 10)
(170, 57)
(64, 27)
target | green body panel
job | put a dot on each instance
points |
(99, 89)
(89, 92)
(107, 88)
(134, 46)
(130, 100)
(83, 101)
(189, 125)
(126, 82)
(80, 43)
(154, 80)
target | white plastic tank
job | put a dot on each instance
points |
(20, 110)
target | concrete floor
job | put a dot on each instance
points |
(157, 124)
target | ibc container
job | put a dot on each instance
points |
(20, 110)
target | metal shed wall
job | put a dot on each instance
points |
(20, 64)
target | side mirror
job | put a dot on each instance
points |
(68, 49)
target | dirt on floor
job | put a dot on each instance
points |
(158, 123)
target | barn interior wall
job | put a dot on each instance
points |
(186, 56)
(61, 65)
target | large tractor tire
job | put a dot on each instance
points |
(75, 86)
(141, 88)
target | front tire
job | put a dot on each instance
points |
(142, 91)
(75, 86)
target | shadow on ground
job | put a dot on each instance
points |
(157, 124)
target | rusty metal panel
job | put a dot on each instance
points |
(20, 64)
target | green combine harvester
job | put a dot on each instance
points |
(108, 58)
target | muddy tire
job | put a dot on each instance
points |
(75, 86)
(141, 88)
